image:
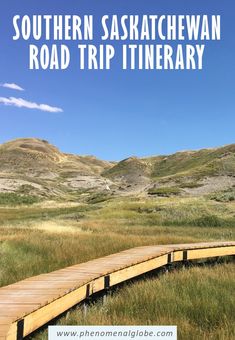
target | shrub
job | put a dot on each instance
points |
(208, 221)
(98, 198)
(226, 196)
(15, 199)
(164, 191)
(25, 189)
(190, 185)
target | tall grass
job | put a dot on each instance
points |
(40, 239)
(200, 301)
(37, 239)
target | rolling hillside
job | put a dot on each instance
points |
(33, 166)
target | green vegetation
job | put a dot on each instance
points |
(98, 198)
(210, 221)
(43, 238)
(197, 163)
(164, 191)
(190, 185)
(25, 214)
(224, 196)
(193, 164)
(16, 199)
(25, 189)
(132, 165)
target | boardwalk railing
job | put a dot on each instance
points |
(29, 304)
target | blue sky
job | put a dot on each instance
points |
(115, 114)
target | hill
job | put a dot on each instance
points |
(33, 166)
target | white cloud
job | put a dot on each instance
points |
(19, 102)
(12, 86)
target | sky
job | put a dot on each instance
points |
(114, 114)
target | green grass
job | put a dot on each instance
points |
(130, 165)
(197, 164)
(164, 191)
(17, 199)
(193, 164)
(98, 198)
(172, 211)
(224, 196)
(24, 213)
(190, 185)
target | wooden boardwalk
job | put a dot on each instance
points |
(29, 304)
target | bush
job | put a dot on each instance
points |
(226, 196)
(164, 191)
(208, 221)
(15, 199)
(25, 189)
(190, 185)
(98, 198)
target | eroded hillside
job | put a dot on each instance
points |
(33, 166)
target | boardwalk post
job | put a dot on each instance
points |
(20, 330)
(170, 260)
(86, 301)
(185, 262)
(106, 288)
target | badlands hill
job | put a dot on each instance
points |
(33, 166)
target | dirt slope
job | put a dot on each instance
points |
(34, 166)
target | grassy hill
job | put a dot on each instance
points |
(218, 161)
(35, 167)
(34, 155)
(212, 170)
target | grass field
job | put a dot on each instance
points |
(197, 300)
(47, 236)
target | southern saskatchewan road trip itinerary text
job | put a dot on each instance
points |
(150, 42)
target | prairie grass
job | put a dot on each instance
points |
(199, 300)
(45, 237)
(38, 239)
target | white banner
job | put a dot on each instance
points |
(112, 332)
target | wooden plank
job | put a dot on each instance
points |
(3, 330)
(210, 252)
(52, 310)
(133, 271)
(61, 279)
(29, 299)
(6, 320)
(17, 312)
(12, 332)
(44, 284)
(178, 256)
(97, 285)
(25, 293)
